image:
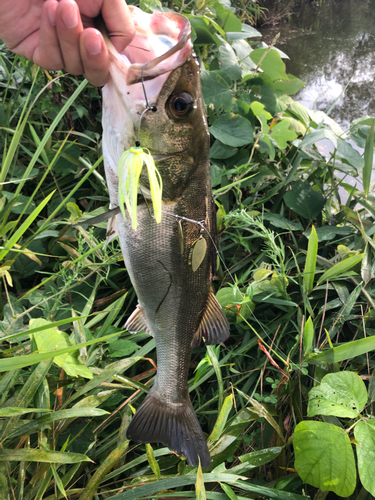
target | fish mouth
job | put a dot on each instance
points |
(160, 45)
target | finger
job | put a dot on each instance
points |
(119, 23)
(94, 56)
(69, 28)
(48, 54)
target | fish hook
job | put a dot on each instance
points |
(147, 108)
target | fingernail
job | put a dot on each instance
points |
(70, 16)
(94, 44)
(51, 13)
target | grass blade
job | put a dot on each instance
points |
(341, 267)
(152, 460)
(222, 418)
(32, 359)
(343, 352)
(308, 336)
(216, 367)
(200, 489)
(24, 226)
(369, 159)
(50, 457)
(32, 426)
(102, 471)
(309, 271)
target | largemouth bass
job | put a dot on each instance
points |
(176, 302)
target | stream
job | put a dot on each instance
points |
(332, 46)
(329, 47)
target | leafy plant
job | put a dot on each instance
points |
(295, 277)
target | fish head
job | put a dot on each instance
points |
(157, 70)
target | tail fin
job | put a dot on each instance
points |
(174, 425)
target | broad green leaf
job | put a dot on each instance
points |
(324, 457)
(282, 222)
(341, 267)
(150, 5)
(256, 459)
(122, 348)
(351, 155)
(342, 394)
(221, 151)
(345, 351)
(369, 160)
(152, 460)
(300, 110)
(50, 457)
(202, 31)
(216, 90)
(290, 86)
(282, 134)
(221, 419)
(304, 200)
(228, 61)
(310, 264)
(200, 489)
(364, 433)
(226, 18)
(232, 130)
(54, 339)
(228, 296)
(319, 117)
(318, 135)
(308, 336)
(326, 233)
(271, 62)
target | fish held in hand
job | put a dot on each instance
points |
(170, 262)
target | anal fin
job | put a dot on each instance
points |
(137, 322)
(214, 326)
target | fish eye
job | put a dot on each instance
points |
(180, 105)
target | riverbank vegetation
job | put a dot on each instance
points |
(287, 403)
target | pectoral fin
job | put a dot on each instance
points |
(214, 326)
(137, 322)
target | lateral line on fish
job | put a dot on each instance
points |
(166, 293)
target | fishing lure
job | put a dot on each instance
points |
(129, 172)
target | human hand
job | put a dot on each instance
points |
(61, 34)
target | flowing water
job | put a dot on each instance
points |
(330, 46)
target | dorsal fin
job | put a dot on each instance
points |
(137, 322)
(214, 326)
